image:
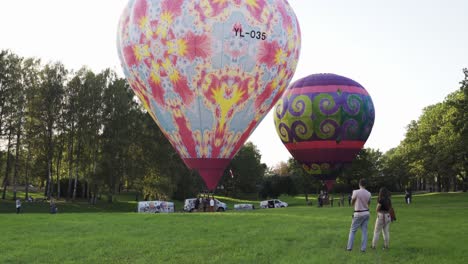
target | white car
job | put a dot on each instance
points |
(189, 205)
(273, 203)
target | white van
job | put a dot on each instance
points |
(155, 207)
(244, 207)
(273, 203)
(189, 205)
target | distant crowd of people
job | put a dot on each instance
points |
(324, 198)
(52, 206)
(206, 203)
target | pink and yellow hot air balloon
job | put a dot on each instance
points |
(208, 71)
(324, 121)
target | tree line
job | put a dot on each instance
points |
(434, 152)
(80, 134)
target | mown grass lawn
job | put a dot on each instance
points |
(434, 229)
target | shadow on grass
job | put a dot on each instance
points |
(122, 203)
(8, 206)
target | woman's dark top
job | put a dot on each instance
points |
(385, 205)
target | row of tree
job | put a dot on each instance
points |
(434, 153)
(77, 134)
(81, 134)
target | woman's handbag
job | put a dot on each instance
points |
(392, 214)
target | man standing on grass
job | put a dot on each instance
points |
(361, 201)
(212, 204)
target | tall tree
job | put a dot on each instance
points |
(395, 169)
(367, 165)
(70, 115)
(281, 169)
(10, 93)
(51, 91)
(19, 108)
(8, 161)
(156, 168)
(9, 75)
(460, 124)
(118, 104)
(31, 123)
(247, 170)
(92, 111)
(302, 180)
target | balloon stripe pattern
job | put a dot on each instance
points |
(324, 120)
(208, 71)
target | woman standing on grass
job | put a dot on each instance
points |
(382, 223)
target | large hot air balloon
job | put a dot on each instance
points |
(324, 121)
(208, 71)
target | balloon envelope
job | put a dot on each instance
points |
(324, 121)
(208, 71)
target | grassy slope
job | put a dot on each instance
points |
(432, 229)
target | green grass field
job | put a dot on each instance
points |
(433, 229)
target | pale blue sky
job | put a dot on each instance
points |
(408, 54)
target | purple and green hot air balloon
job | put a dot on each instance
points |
(324, 121)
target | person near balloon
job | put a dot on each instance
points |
(18, 206)
(205, 203)
(382, 223)
(320, 199)
(53, 206)
(200, 201)
(360, 200)
(408, 195)
(197, 203)
(212, 204)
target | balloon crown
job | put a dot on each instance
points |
(326, 79)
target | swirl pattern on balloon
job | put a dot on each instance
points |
(284, 132)
(328, 128)
(353, 104)
(327, 103)
(329, 116)
(300, 130)
(349, 129)
(313, 168)
(281, 108)
(298, 105)
(317, 168)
